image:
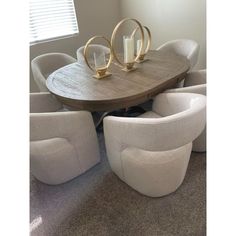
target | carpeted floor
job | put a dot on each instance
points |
(99, 203)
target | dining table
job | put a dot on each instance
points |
(75, 86)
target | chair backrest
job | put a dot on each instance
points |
(44, 102)
(184, 119)
(156, 134)
(43, 65)
(195, 78)
(195, 82)
(184, 47)
(93, 48)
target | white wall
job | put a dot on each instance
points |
(171, 19)
(94, 17)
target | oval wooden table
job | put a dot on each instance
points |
(74, 85)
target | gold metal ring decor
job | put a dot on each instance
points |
(129, 60)
(145, 50)
(101, 68)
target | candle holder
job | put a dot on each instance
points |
(100, 61)
(128, 65)
(144, 51)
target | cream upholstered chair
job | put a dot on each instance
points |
(93, 48)
(151, 152)
(63, 145)
(184, 47)
(43, 65)
(195, 82)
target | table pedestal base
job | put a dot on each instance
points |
(130, 112)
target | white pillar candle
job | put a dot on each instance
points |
(139, 42)
(128, 49)
(99, 60)
(139, 45)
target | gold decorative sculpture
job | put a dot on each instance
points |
(148, 44)
(129, 60)
(100, 62)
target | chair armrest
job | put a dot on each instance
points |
(199, 89)
(39, 79)
(43, 102)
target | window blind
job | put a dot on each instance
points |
(51, 19)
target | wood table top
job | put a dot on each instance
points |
(74, 85)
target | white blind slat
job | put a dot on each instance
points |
(50, 19)
(52, 9)
(56, 16)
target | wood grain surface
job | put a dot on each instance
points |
(74, 85)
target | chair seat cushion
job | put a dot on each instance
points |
(54, 161)
(149, 114)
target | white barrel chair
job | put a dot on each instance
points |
(195, 82)
(93, 48)
(42, 66)
(63, 144)
(184, 47)
(151, 154)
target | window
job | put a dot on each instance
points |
(50, 19)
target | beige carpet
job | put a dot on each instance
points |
(98, 203)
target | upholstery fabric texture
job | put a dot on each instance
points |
(181, 118)
(195, 82)
(42, 66)
(44, 102)
(162, 172)
(63, 144)
(184, 47)
(51, 157)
